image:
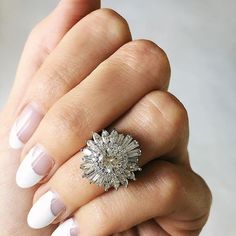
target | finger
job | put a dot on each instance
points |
(107, 93)
(68, 183)
(160, 122)
(82, 49)
(42, 41)
(150, 228)
(130, 232)
(163, 190)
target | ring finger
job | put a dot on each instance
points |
(108, 92)
(160, 133)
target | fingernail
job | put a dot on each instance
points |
(45, 211)
(35, 166)
(67, 228)
(24, 126)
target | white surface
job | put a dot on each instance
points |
(26, 176)
(14, 140)
(64, 228)
(40, 214)
(199, 37)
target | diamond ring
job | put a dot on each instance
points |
(110, 159)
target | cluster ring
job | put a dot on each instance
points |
(110, 159)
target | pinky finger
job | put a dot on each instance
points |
(162, 189)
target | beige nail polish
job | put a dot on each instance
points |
(24, 126)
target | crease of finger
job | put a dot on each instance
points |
(161, 123)
(176, 117)
(150, 228)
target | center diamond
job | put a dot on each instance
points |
(110, 162)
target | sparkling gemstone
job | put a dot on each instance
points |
(111, 159)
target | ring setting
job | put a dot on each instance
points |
(110, 159)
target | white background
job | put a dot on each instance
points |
(199, 37)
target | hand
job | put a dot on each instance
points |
(15, 202)
(96, 77)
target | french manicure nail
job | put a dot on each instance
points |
(24, 126)
(45, 210)
(67, 228)
(35, 166)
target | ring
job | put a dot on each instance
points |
(111, 159)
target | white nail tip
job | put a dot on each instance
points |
(40, 214)
(25, 176)
(14, 140)
(64, 229)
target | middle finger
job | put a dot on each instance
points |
(80, 51)
(158, 122)
(115, 86)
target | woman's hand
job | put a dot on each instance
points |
(15, 202)
(95, 77)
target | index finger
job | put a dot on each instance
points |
(42, 41)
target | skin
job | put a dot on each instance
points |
(168, 198)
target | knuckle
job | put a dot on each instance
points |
(113, 24)
(160, 107)
(151, 49)
(54, 79)
(40, 40)
(36, 31)
(179, 118)
(207, 195)
(109, 14)
(172, 110)
(146, 57)
(141, 51)
(147, 117)
(34, 34)
(169, 181)
(65, 119)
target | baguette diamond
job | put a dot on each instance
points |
(111, 159)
